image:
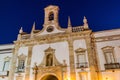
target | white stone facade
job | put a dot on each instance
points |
(54, 53)
(6, 54)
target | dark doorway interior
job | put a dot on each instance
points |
(49, 77)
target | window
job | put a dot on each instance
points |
(109, 57)
(21, 63)
(81, 58)
(6, 66)
(6, 63)
(109, 54)
(51, 16)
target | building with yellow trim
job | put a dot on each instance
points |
(56, 53)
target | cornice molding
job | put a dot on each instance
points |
(59, 37)
(107, 38)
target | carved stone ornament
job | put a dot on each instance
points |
(7, 58)
(22, 57)
(79, 50)
(49, 58)
(108, 49)
(50, 28)
(49, 49)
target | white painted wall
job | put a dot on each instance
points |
(107, 33)
(6, 46)
(100, 53)
(61, 53)
(111, 75)
(22, 50)
(101, 59)
(80, 44)
(4, 54)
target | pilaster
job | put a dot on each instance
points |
(91, 58)
(99, 73)
(13, 62)
(71, 58)
(27, 75)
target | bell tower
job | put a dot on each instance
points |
(51, 16)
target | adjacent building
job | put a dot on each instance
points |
(56, 53)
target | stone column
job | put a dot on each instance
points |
(27, 75)
(13, 63)
(91, 58)
(99, 73)
(71, 57)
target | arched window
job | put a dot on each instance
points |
(51, 16)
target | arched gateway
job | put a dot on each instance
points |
(49, 77)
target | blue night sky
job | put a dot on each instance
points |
(101, 15)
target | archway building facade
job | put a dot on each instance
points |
(72, 53)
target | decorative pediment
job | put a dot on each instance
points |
(49, 49)
(7, 58)
(50, 58)
(22, 57)
(79, 50)
(107, 48)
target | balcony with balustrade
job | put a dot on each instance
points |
(82, 65)
(109, 66)
(20, 69)
(4, 73)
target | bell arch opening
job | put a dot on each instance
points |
(49, 77)
(51, 16)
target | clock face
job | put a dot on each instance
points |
(50, 28)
